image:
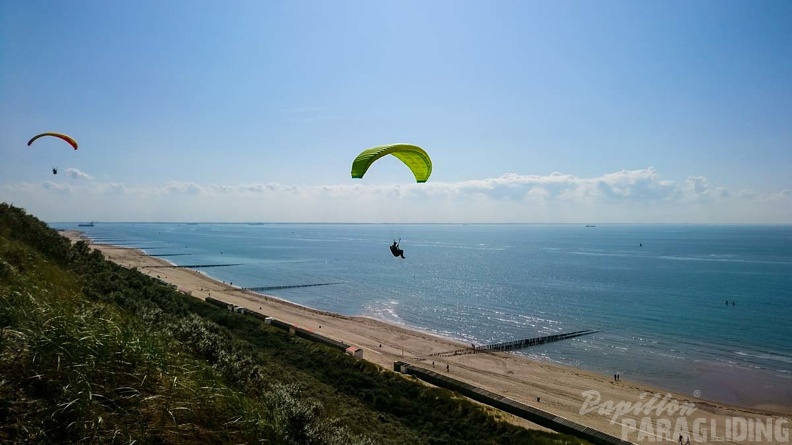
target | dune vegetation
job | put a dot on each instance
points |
(91, 352)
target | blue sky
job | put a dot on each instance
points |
(563, 111)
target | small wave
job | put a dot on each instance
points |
(766, 356)
(477, 247)
(711, 258)
(722, 260)
(386, 311)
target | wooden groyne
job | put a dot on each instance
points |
(291, 286)
(193, 266)
(530, 413)
(514, 344)
(111, 241)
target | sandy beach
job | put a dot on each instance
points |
(575, 394)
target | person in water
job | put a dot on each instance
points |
(395, 250)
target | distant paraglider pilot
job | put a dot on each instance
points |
(395, 250)
(62, 136)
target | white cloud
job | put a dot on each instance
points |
(623, 196)
(187, 188)
(77, 174)
(57, 187)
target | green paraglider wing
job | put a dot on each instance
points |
(66, 138)
(413, 156)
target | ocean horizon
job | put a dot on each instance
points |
(702, 310)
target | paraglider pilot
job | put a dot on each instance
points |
(54, 171)
(395, 250)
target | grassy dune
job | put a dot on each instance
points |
(94, 353)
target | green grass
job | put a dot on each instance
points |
(94, 353)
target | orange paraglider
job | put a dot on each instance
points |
(66, 138)
(62, 136)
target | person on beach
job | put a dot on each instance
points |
(395, 250)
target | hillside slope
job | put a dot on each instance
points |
(92, 352)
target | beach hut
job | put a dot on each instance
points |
(267, 320)
(354, 351)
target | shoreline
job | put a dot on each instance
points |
(560, 389)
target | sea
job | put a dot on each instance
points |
(703, 310)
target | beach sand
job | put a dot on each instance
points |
(560, 389)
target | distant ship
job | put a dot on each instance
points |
(590, 225)
(90, 224)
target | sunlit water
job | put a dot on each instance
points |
(656, 293)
